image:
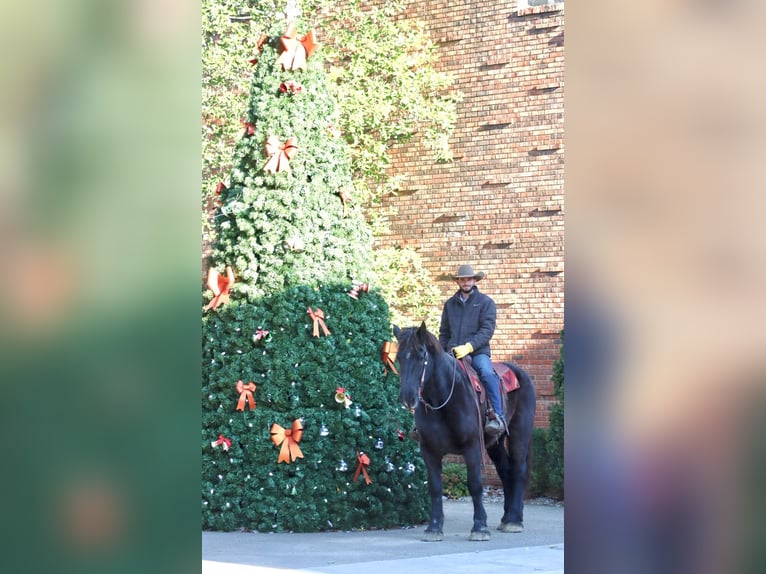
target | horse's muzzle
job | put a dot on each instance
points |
(409, 400)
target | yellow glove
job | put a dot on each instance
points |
(462, 350)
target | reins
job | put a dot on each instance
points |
(422, 384)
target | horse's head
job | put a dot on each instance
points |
(417, 348)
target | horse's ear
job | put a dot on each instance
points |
(397, 330)
(422, 331)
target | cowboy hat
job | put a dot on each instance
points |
(467, 271)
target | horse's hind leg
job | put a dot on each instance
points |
(434, 532)
(512, 468)
(479, 532)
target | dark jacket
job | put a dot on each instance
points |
(472, 321)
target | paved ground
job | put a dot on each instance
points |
(539, 549)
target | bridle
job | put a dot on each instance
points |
(422, 384)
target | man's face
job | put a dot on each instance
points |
(466, 284)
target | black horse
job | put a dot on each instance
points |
(449, 421)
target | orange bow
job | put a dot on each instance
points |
(388, 356)
(295, 51)
(246, 395)
(318, 317)
(223, 441)
(289, 439)
(220, 286)
(364, 462)
(279, 154)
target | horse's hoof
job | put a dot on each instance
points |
(510, 527)
(432, 536)
(479, 536)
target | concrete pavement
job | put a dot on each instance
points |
(539, 549)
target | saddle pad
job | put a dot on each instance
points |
(507, 377)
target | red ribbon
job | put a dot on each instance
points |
(260, 334)
(388, 356)
(279, 154)
(289, 439)
(318, 317)
(220, 187)
(220, 286)
(364, 462)
(223, 441)
(296, 50)
(246, 395)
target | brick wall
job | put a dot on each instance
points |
(500, 204)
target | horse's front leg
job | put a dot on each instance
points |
(473, 461)
(434, 532)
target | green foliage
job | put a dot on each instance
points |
(547, 472)
(556, 429)
(292, 247)
(538, 472)
(290, 227)
(407, 286)
(454, 480)
(383, 77)
(297, 375)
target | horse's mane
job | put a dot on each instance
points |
(407, 339)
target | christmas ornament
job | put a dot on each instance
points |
(291, 87)
(224, 442)
(259, 334)
(388, 356)
(249, 128)
(342, 466)
(389, 467)
(220, 286)
(357, 411)
(364, 462)
(295, 51)
(379, 443)
(289, 439)
(410, 468)
(323, 430)
(220, 187)
(318, 318)
(341, 396)
(246, 395)
(279, 154)
(400, 434)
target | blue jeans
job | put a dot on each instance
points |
(483, 366)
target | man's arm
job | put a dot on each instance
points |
(487, 321)
(444, 332)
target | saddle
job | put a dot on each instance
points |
(508, 380)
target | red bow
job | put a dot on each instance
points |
(318, 317)
(220, 187)
(246, 395)
(279, 154)
(388, 356)
(220, 286)
(289, 439)
(295, 51)
(223, 441)
(260, 334)
(364, 462)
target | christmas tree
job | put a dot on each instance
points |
(301, 425)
